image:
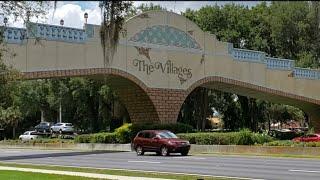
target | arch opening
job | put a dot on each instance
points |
(235, 89)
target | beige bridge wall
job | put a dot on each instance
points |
(207, 64)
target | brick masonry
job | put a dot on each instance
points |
(146, 104)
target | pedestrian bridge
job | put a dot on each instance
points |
(161, 57)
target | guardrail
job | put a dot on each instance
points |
(281, 64)
(272, 63)
(248, 55)
(48, 32)
(306, 73)
(14, 35)
(56, 33)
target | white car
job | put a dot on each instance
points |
(28, 135)
(62, 128)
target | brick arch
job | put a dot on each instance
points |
(309, 105)
(132, 92)
(251, 87)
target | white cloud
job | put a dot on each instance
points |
(72, 11)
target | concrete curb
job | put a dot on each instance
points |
(227, 149)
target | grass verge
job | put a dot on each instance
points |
(114, 172)
(259, 155)
(18, 175)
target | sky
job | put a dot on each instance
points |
(72, 11)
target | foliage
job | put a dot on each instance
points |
(124, 133)
(244, 137)
(127, 132)
(113, 13)
(97, 138)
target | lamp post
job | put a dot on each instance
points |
(5, 21)
(61, 22)
(86, 17)
(28, 16)
(60, 106)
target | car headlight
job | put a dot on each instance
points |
(170, 142)
(188, 143)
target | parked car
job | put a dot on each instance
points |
(28, 135)
(308, 138)
(43, 127)
(62, 128)
(162, 142)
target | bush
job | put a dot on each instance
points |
(97, 138)
(244, 137)
(124, 133)
(127, 132)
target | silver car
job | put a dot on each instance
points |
(28, 135)
(62, 128)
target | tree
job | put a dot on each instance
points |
(113, 16)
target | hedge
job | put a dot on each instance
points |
(127, 132)
(244, 137)
(97, 138)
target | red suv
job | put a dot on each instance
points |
(162, 142)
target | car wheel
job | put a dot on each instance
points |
(31, 138)
(60, 131)
(139, 151)
(184, 153)
(44, 131)
(51, 130)
(164, 151)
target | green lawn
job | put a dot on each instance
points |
(108, 171)
(18, 175)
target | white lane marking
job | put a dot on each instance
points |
(301, 170)
(11, 151)
(196, 158)
(151, 162)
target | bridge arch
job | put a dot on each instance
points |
(308, 105)
(133, 93)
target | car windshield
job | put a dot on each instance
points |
(167, 134)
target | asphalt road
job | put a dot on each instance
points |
(231, 166)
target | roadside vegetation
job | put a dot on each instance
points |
(18, 175)
(94, 108)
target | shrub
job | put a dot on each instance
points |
(244, 137)
(97, 138)
(127, 132)
(123, 133)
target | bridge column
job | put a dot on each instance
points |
(314, 118)
(167, 103)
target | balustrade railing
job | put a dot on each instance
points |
(56, 33)
(248, 55)
(281, 64)
(14, 35)
(305, 73)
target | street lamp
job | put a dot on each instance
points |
(86, 17)
(61, 22)
(28, 15)
(5, 21)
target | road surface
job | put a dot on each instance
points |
(230, 166)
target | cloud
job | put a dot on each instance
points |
(72, 11)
